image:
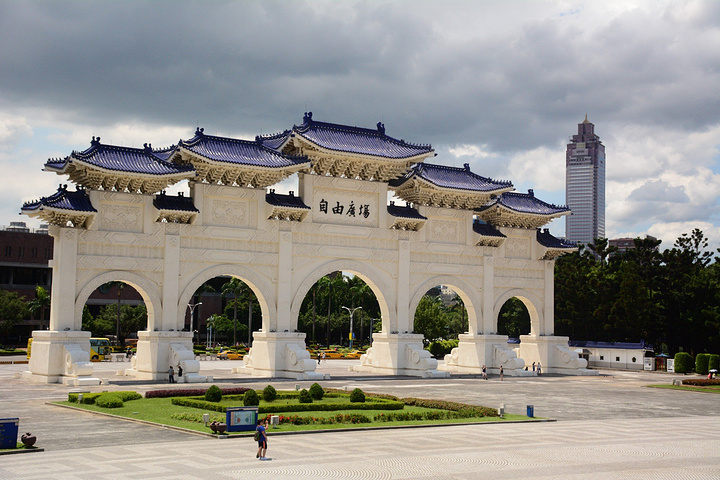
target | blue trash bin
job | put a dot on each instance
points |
(531, 411)
(9, 432)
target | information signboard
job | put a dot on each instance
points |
(9, 432)
(241, 419)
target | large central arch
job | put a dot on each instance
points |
(376, 280)
(255, 281)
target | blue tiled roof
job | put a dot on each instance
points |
(460, 178)
(123, 159)
(282, 200)
(404, 212)
(486, 230)
(240, 152)
(525, 203)
(274, 141)
(365, 141)
(622, 345)
(546, 239)
(174, 202)
(78, 201)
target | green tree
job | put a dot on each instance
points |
(12, 309)
(514, 319)
(431, 319)
(40, 303)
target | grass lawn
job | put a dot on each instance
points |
(692, 388)
(162, 411)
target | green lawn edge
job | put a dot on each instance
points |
(689, 388)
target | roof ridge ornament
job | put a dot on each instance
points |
(307, 118)
(147, 147)
(381, 128)
(95, 141)
(199, 132)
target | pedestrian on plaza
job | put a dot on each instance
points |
(484, 373)
(501, 373)
(319, 357)
(179, 371)
(128, 352)
(323, 355)
(171, 374)
(262, 439)
(539, 370)
(533, 366)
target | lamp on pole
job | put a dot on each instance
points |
(352, 312)
(192, 306)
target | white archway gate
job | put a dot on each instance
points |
(280, 245)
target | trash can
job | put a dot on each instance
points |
(531, 411)
(9, 432)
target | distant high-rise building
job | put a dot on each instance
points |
(585, 185)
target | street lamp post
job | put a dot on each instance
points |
(352, 312)
(192, 306)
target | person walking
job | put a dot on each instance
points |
(533, 366)
(501, 373)
(171, 374)
(484, 373)
(179, 371)
(262, 439)
(539, 370)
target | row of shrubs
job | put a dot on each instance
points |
(105, 399)
(440, 348)
(339, 418)
(701, 382)
(250, 397)
(703, 363)
(194, 392)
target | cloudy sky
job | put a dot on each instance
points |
(498, 84)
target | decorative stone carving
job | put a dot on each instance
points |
(444, 231)
(126, 218)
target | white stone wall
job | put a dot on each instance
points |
(281, 260)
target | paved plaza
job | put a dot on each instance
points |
(607, 427)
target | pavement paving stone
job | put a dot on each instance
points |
(608, 427)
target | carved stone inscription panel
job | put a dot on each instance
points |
(344, 207)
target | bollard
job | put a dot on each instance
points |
(80, 397)
(206, 418)
(531, 411)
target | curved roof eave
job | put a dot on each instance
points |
(368, 155)
(298, 166)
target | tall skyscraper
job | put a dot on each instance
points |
(585, 185)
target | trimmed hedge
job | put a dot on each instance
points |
(193, 392)
(109, 400)
(91, 398)
(316, 391)
(251, 398)
(440, 348)
(213, 394)
(452, 406)
(683, 362)
(702, 360)
(701, 382)
(196, 403)
(305, 397)
(373, 404)
(357, 396)
(269, 393)
(714, 362)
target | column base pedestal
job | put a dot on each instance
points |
(399, 354)
(492, 351)
(279, 355)
(554, 355)
(61, 357)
